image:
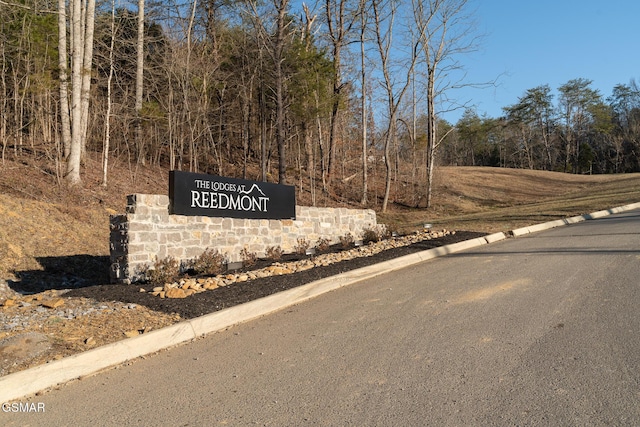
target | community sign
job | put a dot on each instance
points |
(209, 195)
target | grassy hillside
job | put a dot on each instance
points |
(45, 226)
(495, 199)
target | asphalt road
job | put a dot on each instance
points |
(540, 330)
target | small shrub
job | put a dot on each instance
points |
(388, 233)
(346, 241)
(249, 259)
(166, 270)
(210, 263)
(369, 236)
(274, 252)
(322, 244)
(302, 246)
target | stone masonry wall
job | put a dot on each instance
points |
(147, 233)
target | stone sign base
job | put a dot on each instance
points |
(147, 233)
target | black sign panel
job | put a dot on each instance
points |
(209, 195)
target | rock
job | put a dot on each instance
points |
(9, 303)
(131, 334)
(142, 290)
(278, 270)
(210, 286)
(52, 303)
(175, 293)
(90, 341)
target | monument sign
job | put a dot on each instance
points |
(197, 194)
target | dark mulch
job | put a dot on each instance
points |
(239, 293)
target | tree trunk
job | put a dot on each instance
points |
(431, 133)
(75, 149)
(87, 61)
(139, 76)
(279, 74)
(65, 120)
(387, 164)
(364, 200)
(107, 124)
(3, 105)
(338, 29)
(263, 132)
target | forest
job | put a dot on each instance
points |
(342, 98)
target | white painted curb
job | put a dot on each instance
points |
(29, 381)
(573, 220)
(496, 237)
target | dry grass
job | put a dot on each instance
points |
(42, 222)
(495, 199)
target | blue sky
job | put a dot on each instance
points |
(532, 43)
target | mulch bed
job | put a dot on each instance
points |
(239, 293)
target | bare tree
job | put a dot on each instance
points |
(107, 119)
(65, 119)
(281, 7)
(4, 93)
(444, 30)
(394, 88)
(363, 102)
(140, 75)
(275, 41)
(82, 20)
(341, 16)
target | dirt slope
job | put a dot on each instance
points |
(43, 223)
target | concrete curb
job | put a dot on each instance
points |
(30, 381)
(573, 220)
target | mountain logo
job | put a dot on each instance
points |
(254, 186)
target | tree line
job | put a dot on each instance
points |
(325, 96)
(580, 132)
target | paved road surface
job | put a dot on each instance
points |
(540, 330)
